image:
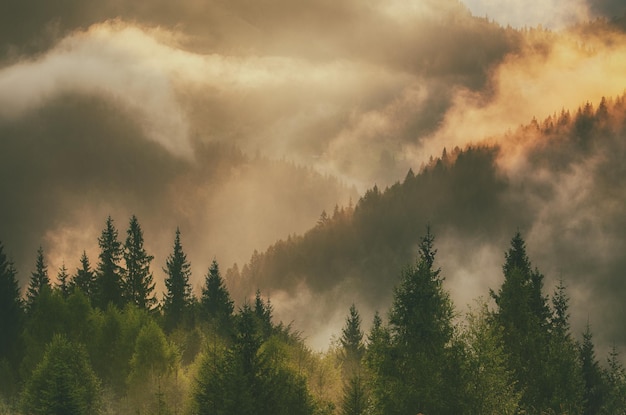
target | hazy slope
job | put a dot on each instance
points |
(561, 182)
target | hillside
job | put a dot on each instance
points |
(560, 181)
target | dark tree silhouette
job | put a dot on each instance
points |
(39, 280)
(178, 297)
(85, 278)
(138, 281)
(216, 305)
(108, 272)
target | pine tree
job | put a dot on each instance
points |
(524, 315)
(354, 400)
(63, 382)
(615, 379)
(85, 278)
(216, 305)
(263, 311)
(63, 285)
(39, 280)
(420, 322)
(564, 373)
(138, 282)
(352, 341)
(108, 272)
(10, 306)
(178, 298)
(489, 384)
(594, 392)
(11, 319)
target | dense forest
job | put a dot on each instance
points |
(97, 340)
(100, 338)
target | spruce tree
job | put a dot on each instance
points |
(524, 314)
(594, 387)
(354, 399)
(138, 281)
(615, 380)
(563, 369)
(11, 319)
(10, 306)
(85, 278)
(217, 307)
(108, 272)
(263, 311)
(63, 382)
(420, 323)
(63, 285)
(352, 341)
(178, 297)
(39, 280)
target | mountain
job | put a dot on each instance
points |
(559, 181)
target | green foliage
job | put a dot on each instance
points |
(489, 384)
(354, 400)
(239, 379)
(39, 280)
(594, 387)
(48, 316)
(63, 283)
(152, 368)
(63, 383)
(11, 320)
(178, 296)
(85, 279)
(109, 283)
(215, 303)
(352, 339)
(615, 380)
(138, 282)
(524, 314)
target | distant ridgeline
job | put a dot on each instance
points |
(470, 192)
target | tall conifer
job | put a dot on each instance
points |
(178, 297)
(108, 272)
(138, 281)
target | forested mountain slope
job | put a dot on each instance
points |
(559, 180)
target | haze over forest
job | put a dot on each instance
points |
(240, 123)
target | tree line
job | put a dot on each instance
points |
(98, 342)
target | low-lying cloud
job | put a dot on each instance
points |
(240, 122)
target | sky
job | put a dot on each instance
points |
(240, 122)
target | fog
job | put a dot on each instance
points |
(241, 122)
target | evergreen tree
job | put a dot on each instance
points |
(85, 278)
(138, 282)
(178, 298)
(524, 315)
(564, 373)
(354, 401)
(352, 341)
(39, 280)
(263, 311)
(489, 384)
(217, 307)
(11, 319)
(63, 383)
(240, 380)
(10, 306)
(109, 282)
(615, 380)
(63, 285)
(420, 323)
(594, 388)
